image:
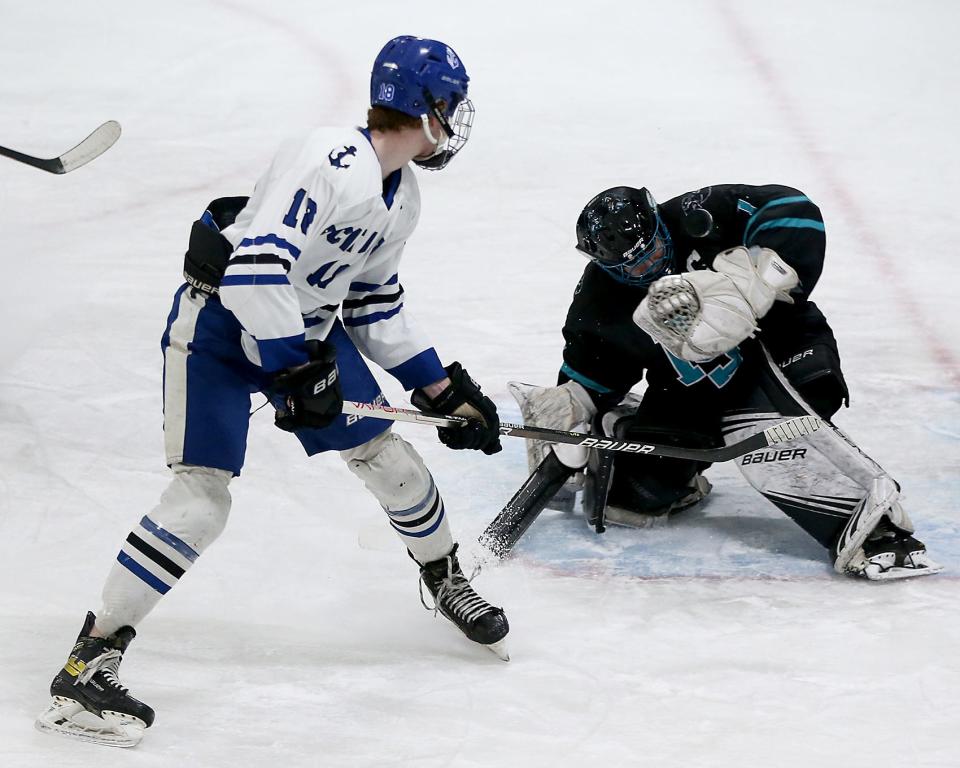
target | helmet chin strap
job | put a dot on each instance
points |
(440, 144)
(425, 120)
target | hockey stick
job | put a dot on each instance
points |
(89, 149)
(526, 505)
(505, 530)
(533, 496)
(778, 433)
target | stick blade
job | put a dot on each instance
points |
(527, 503)
(90, 148)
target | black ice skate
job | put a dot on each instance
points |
(891, 553)
(455, 598)
(88, 701)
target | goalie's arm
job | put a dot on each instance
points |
(791, 225)
(603, 350)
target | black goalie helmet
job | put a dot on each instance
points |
(622, 232)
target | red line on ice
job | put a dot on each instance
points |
(750, 48)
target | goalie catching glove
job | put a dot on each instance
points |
(699, 315)
(463, 398)
(309, 394)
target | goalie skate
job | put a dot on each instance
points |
(89, 703)
(456, 600)
(700, 487)
(889, 554)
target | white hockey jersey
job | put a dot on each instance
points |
(322, 236)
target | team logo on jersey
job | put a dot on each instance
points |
(695, 261)
(348, 237)
(337, 162)
(697, 221)
(718, 371)
(452, 59)
(696, 199)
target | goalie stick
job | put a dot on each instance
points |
(89, 149)
(527, 503)
(789, 429)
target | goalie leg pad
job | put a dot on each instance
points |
(394, 473)
(817, 482)
(825, 483)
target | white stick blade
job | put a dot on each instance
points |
(91, 147)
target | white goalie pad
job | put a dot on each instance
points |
(824, 482)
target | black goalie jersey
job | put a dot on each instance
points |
(608, 354)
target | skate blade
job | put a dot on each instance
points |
(67, 717)
(499, 649)
(872, 573)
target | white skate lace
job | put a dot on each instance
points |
(457, 594)
(108, 663)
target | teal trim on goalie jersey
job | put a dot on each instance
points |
(788, 224)
(581, 379)
(747, 235)
(743, 205)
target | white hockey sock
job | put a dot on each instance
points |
(393, 471)
(191, 514)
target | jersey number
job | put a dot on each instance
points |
(291, 218)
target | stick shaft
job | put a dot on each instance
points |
(781, 432)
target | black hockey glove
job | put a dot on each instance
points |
(464, 398)
(310, 393)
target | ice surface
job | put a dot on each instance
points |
(721, 640)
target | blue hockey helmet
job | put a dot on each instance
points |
(420, 78)
(622, 232)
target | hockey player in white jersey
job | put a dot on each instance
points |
(285, 294)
